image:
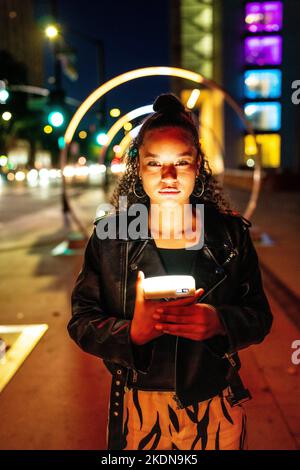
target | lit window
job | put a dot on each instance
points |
(205, 45)
(263, 16)
(262, 84)
(264, 116)
(269, 148)
(263, 50)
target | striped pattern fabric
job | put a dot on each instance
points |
(152, 421)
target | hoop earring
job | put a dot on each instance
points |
(135, 187)
(199, 194)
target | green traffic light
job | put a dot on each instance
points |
(102, 138)
(4, 95)
(61, 143)
(56, 118)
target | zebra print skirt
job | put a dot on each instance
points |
(152, 421)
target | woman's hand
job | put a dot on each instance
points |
(142, 328)
(197, 321)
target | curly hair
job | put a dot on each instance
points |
(169, 113)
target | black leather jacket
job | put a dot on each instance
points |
(227, 268)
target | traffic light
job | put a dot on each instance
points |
(4, 93)
(56, 118)
(56, 108)
(102, 138)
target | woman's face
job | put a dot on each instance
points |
(168, 166)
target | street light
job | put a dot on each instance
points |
(98, 43)
(82, 135)
(54, 33)
(51, 31)
(115, 112)
(48, 129)
(6, 116)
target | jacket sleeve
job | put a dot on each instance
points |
(96, 332)
(249, 319)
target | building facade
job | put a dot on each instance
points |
(20, 37)
(250, 49)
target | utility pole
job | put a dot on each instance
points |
(98, 43)
(58, 94)
(101, 114)
(56, 49)
(101, 78)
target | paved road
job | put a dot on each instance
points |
(19, 199)
(34, 215)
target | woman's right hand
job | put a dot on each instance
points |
(142, 328)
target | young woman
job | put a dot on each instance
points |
(174, 363)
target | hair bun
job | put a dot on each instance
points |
(168, 103)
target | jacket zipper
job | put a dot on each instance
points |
(219, 282)
(212, 255)
(132, 261)
(134, 378)
(126, 389)
(125, 280)
(175, 397)
(124, 306)
(137, 254)
(230, 359)
(214, 287)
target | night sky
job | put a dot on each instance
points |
(135, 34)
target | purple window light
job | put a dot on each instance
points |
(263, 50)
(265, 16)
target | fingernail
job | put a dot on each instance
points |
(159, 310)
(158, 327)
(156, 317)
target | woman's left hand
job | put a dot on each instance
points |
(197, 321)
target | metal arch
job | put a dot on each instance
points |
(160, 71)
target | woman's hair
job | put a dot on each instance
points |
(169, 112)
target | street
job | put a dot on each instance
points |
(23, 200)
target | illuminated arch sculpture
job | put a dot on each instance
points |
(163, 71)
(141, 111)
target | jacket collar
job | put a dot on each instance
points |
(215, 234)
(217, 241)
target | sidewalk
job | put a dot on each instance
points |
(274, 413)
(57, 399)
(277, 214)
